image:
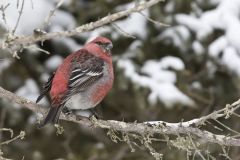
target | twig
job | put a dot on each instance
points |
(154, 21)
(226, 127)
(3, 116)
(32, 4)
(122, 31)
(3, 8)
(51, 13)
(14, 43)
(19, 16)
(36, 48)
(7, 130)
(196, 148)
(20, 136)
(15, 55)
(17, 3)
(140, 128)
(201, 121)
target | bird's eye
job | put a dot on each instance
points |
(105, 46)
(99, 43)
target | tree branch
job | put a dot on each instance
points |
(154, 127)
(17, 42)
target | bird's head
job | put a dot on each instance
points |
(104, 43)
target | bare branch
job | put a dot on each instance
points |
(158, 127)
(7, 130)
(154, 21)
(20, 136)
(14, 43)
(51, 13)
(3, 8)
(122, 31)
(19, 16)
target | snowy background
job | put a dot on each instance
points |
(174, 73)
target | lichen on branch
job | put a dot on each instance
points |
(187, 128)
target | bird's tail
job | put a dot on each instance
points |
(52, 116)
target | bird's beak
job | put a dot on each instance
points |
(109, 47)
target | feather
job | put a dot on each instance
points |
(86, 69)
(46, 88)
(52, 116)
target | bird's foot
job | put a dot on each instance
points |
(94, 114)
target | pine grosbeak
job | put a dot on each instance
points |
(82, 80)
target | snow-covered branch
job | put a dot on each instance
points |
(191, 127)
(18, 42)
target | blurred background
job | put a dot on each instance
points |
(175, 73)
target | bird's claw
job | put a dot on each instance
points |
(94, 114)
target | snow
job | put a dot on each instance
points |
(224, 17)
(174, 125)
(179, 35)
(135, 44)
(134, 25)
(157, 75)
(33, 16)
(218, 46)
(4, 64)
(233, 32)
(169, 94)
(197, 47)
(53, 62)
(231, 59)
(158, 79)
(169, 7)
(202, 30)
(44, 77)
(132, 51)
(98, 32)
(63, 19)
(69, 42)
(172, 62)
(160, 75)
(196, 85)
(157, 69)
(30, 91)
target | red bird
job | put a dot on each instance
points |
(81, 81)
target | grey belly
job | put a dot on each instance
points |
(79, 101)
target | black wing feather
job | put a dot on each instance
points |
(46, 88)
(52, 116)
(86, 69)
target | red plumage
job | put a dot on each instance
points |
(60, 80)
(82, 80)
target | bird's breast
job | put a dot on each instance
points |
(104, 85)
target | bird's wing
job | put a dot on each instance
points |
(86, 69)
(46, 87)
